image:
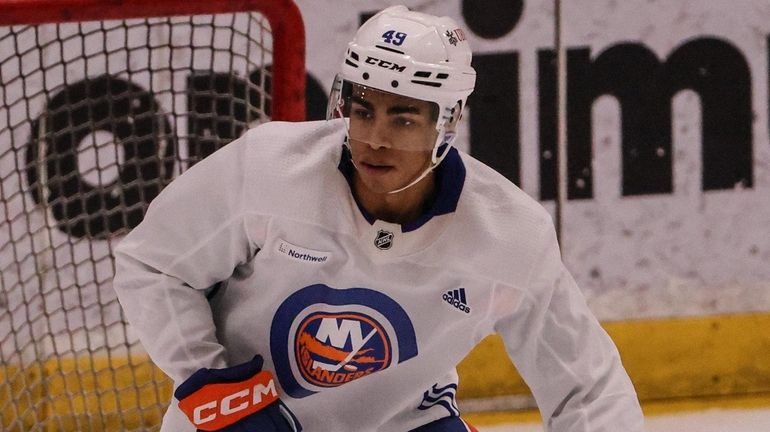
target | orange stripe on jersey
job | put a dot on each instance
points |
(215, 406)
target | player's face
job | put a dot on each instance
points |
(391, 137)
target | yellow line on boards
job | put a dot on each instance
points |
(665, 358)
(735, 402)
(650, 408)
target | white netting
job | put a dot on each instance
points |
(95, 118)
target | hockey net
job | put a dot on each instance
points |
(101, 105)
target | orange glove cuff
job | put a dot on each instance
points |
(215, 406)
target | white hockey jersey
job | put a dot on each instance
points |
(362, 321)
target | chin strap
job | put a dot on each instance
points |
(435, 159)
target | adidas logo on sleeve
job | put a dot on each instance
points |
(457, 299)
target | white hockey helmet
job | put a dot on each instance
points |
(410, 54)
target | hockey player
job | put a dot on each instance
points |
(328, 276)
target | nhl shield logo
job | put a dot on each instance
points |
(384, 240)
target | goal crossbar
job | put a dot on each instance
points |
(283, 15)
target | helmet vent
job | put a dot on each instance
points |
(422, 74)
(350, 63)
(389, 49)
(427, 83)
(442, 76)
(354, 55)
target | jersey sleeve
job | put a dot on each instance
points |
(569, 362)
(192, 237)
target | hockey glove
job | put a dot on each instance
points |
(241, 398)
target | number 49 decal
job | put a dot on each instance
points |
(393, 37)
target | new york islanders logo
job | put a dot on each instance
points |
(335, 348)
(322, 337)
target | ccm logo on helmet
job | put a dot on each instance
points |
(384, 64)
(215, 406)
